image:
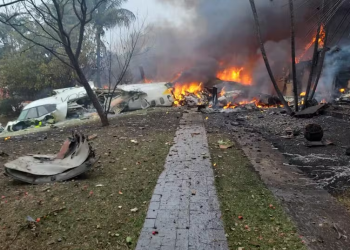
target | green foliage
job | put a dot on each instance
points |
(20, 74)
(108, 15)
(26, 70)
(10, 106)
(26, 74)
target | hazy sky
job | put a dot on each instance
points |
(152, 12)
(155, 11)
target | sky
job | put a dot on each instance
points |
(150, 12)
(155, 11)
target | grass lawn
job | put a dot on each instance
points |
(94, 210)
(253, 218)
(344, 198)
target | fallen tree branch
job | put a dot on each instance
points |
(27, 225)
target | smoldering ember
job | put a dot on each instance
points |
(185, 125)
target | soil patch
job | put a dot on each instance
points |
(329, 165)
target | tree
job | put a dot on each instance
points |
(131, 44)
(294, 69)
(320, 66)
(263, 52)
(51, 25)
(106, 16)
(20, 74)
(10, 3)
(30, 72)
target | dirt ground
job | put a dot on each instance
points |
(329, 166)
(321, 220)
(94, 210)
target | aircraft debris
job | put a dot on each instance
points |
(75, 157)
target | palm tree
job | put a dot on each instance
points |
(294, 69)
(108, 15)
(263, 52)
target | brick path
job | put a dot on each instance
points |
(184, 209)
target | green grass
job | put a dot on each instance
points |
(344, 198)
(94, 217)
(241, 193)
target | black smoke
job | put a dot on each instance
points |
(220, 32)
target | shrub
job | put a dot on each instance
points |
(10, 106)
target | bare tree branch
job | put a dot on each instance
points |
(52, 51)
(10, 3)
(82, 28)
(128, 46)
(39, 23)
(43, 28)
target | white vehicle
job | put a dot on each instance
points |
(56, 106)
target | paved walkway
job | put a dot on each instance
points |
(184, 209)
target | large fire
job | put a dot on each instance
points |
(312, 42)
(234, 74)
(180, 90)
(254, 101)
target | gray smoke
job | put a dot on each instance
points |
(337, 60)
(220, 32)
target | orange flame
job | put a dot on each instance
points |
(177, 76)
(308, 46)
(222, 92)
(180, 90)
(234, 74)
(255, 101)
(342, 90)
(147, 80)
(229, 105)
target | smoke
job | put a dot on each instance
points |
(337, 60)
(218, 34)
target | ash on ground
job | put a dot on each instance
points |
(328, 164)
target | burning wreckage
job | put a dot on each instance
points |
(76, 155)
(73, 102)
(230, 90)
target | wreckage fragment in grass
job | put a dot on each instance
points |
(74, 158)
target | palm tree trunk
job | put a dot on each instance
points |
(98, 56)
(294, 69)
(263, 52)
(314, 58)
(320, 66)
(313, 66)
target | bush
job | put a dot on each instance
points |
(10, 106)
